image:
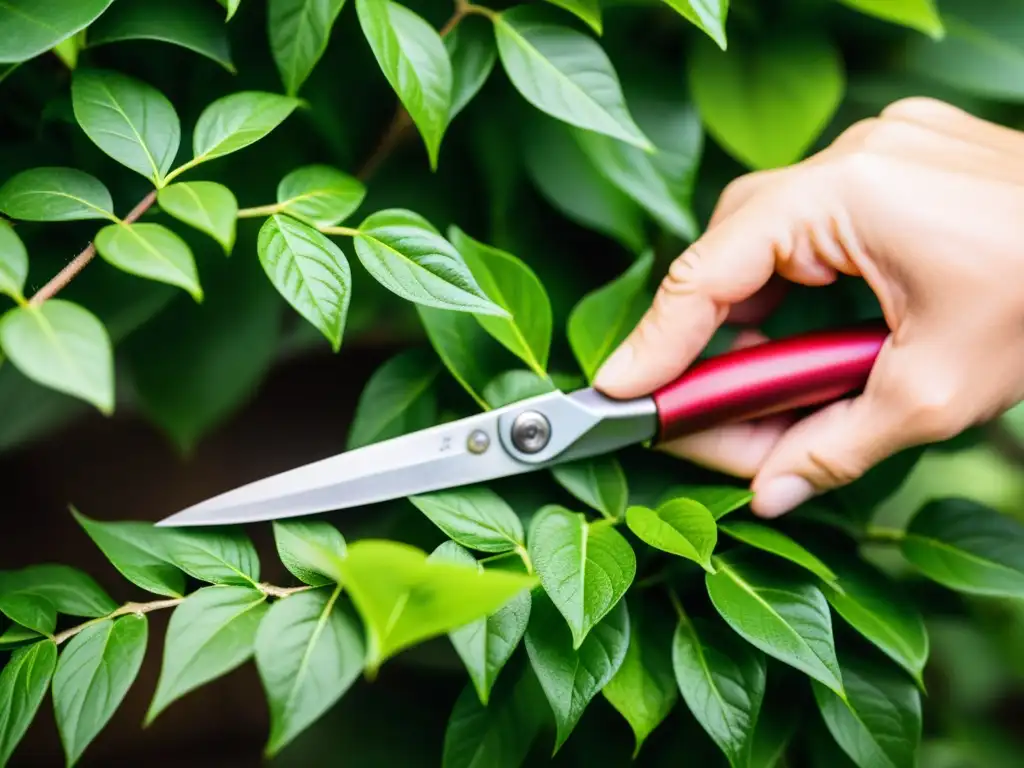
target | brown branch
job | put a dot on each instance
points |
(137, 608)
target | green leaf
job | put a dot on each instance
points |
(191, 24)
(23, 684)
(299, 31)
(234, 122)
(514, 287)
(879, 726)
(399, 398)
(644, 689)
(29, 610)
(68, 49)
(17, 635)
(30, 27)
(513, 386)
(205, 205)
(584, 567)
(466, 350)
(777, 543)
(767, 103)
(55, 194)
(131, 121)
(310, 550)
(136, 550)
(415, 63)
(309, 652)
(708, 15)
(405, 599)
(718, 500)
(62, 346)
(310, 271)
(13, 262)
(565, 74)
(682, 527)
(486, 645)
(921, 15)
(472, 52)
(474, 516)
(151, 251)
(968, 547)
(231, 6)
(67, 589)
(776, 724)
(598, 482)
(406, 255)
(605, 317)
(210, 634)
(570, 674)
(225, 556)
(589, 11)
(722, 679)
(320, 195)
(776, 611)
(93, 675)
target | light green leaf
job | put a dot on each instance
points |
(722, 679)
(235, 121)
(565, 74)
(921, 15)
(151, 251)
(605, 317)
(399, 398)
(570, 674)
(584, 567)
(55, 194)
(17, 635)
(708, 15)
(472, 52)
(767, 102)
(644, 689)
(62, 346)
(191, 24)
(589, 11)
(299, 31)
(224, 556)
(67, 589)
(137, 551)
(879, 726)
(209, 634)
(486, 645)
(774, 610)
(598, 482)
(231, 6)
(68, 49)
(32, 611)
(309, 652)
(310, 271)
(719, 500)
(310, 550)
(131, 121)
(682, 527)
(513, 386)
(13, 262)
(93, 675)
(406, 255)
(405, 599)
(23, 684)
(30, 27)
(514, 287)
(414, 60)
(777, 543)
(474, 516)
(205, 205)
(320, 195)
(968, 547)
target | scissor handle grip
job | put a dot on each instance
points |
(777, 376)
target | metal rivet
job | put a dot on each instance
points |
(478, 441)
(531, 432)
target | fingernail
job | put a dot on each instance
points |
(781, 495)
(615, 368)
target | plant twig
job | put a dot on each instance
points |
(137, 608)
(272, 591)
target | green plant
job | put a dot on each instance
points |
(539, 140)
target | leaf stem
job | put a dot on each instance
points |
(347, 231)
(259, 210)
(677, 605)
(271, 591)
(181, 169)
(883, 535)
(136, 608)
(479, 10)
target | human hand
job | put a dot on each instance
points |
(926, 204)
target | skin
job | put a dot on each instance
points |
(926, 204)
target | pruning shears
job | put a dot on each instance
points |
(542, 431)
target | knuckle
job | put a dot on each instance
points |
(922, 108)
(929, 405)
(835, 470)
(682, 276)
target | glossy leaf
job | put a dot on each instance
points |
(225, 556)
(310, 550)
(55, 194)
(93, 675)
(777, 543)
(921, 15)
(598, 482)
(131, 121)
(604, 318)
(205, 205)
(309, 271)
(464, 347)
(589, 11)
(415, 63)
(474, 516)
(209, 634)
(718, 500)
(472, 52)
(299, 31)
(565, 74)
(572, 675)
(13, 262)
(784, 616)
(234, 122)
(320, 195)
(151, 251)
(30, 27)
(513, 386)
(406, 255)
(722, 679)
(62, 346)
(584, 567)
(682, 527)
(398, 399)
(309, 652)
(68, 590)
(34, 612)
(23, 684)
(708, 15)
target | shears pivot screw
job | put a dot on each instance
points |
(478, 441)
(531, 432)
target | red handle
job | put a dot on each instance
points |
(810, 369)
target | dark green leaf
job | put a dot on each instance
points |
(513, 386)
(921, 15)
(472, 52)
(770, 540)
(30, 27)
(719, 501)
(681, 526)
(234, 122)
(310, 550)
(13, 262)
(466, 350)
(67, 589)
(399, 398)
(225, 556)
(17, 635)
(708, 15)
(474, 516)
(776, 724)
(205, 205)
(587, 10)
(151, 251)
(32, 611)
(55, 194)
(598, 482)
(320, 195)
(299, 31)
(23, 684)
